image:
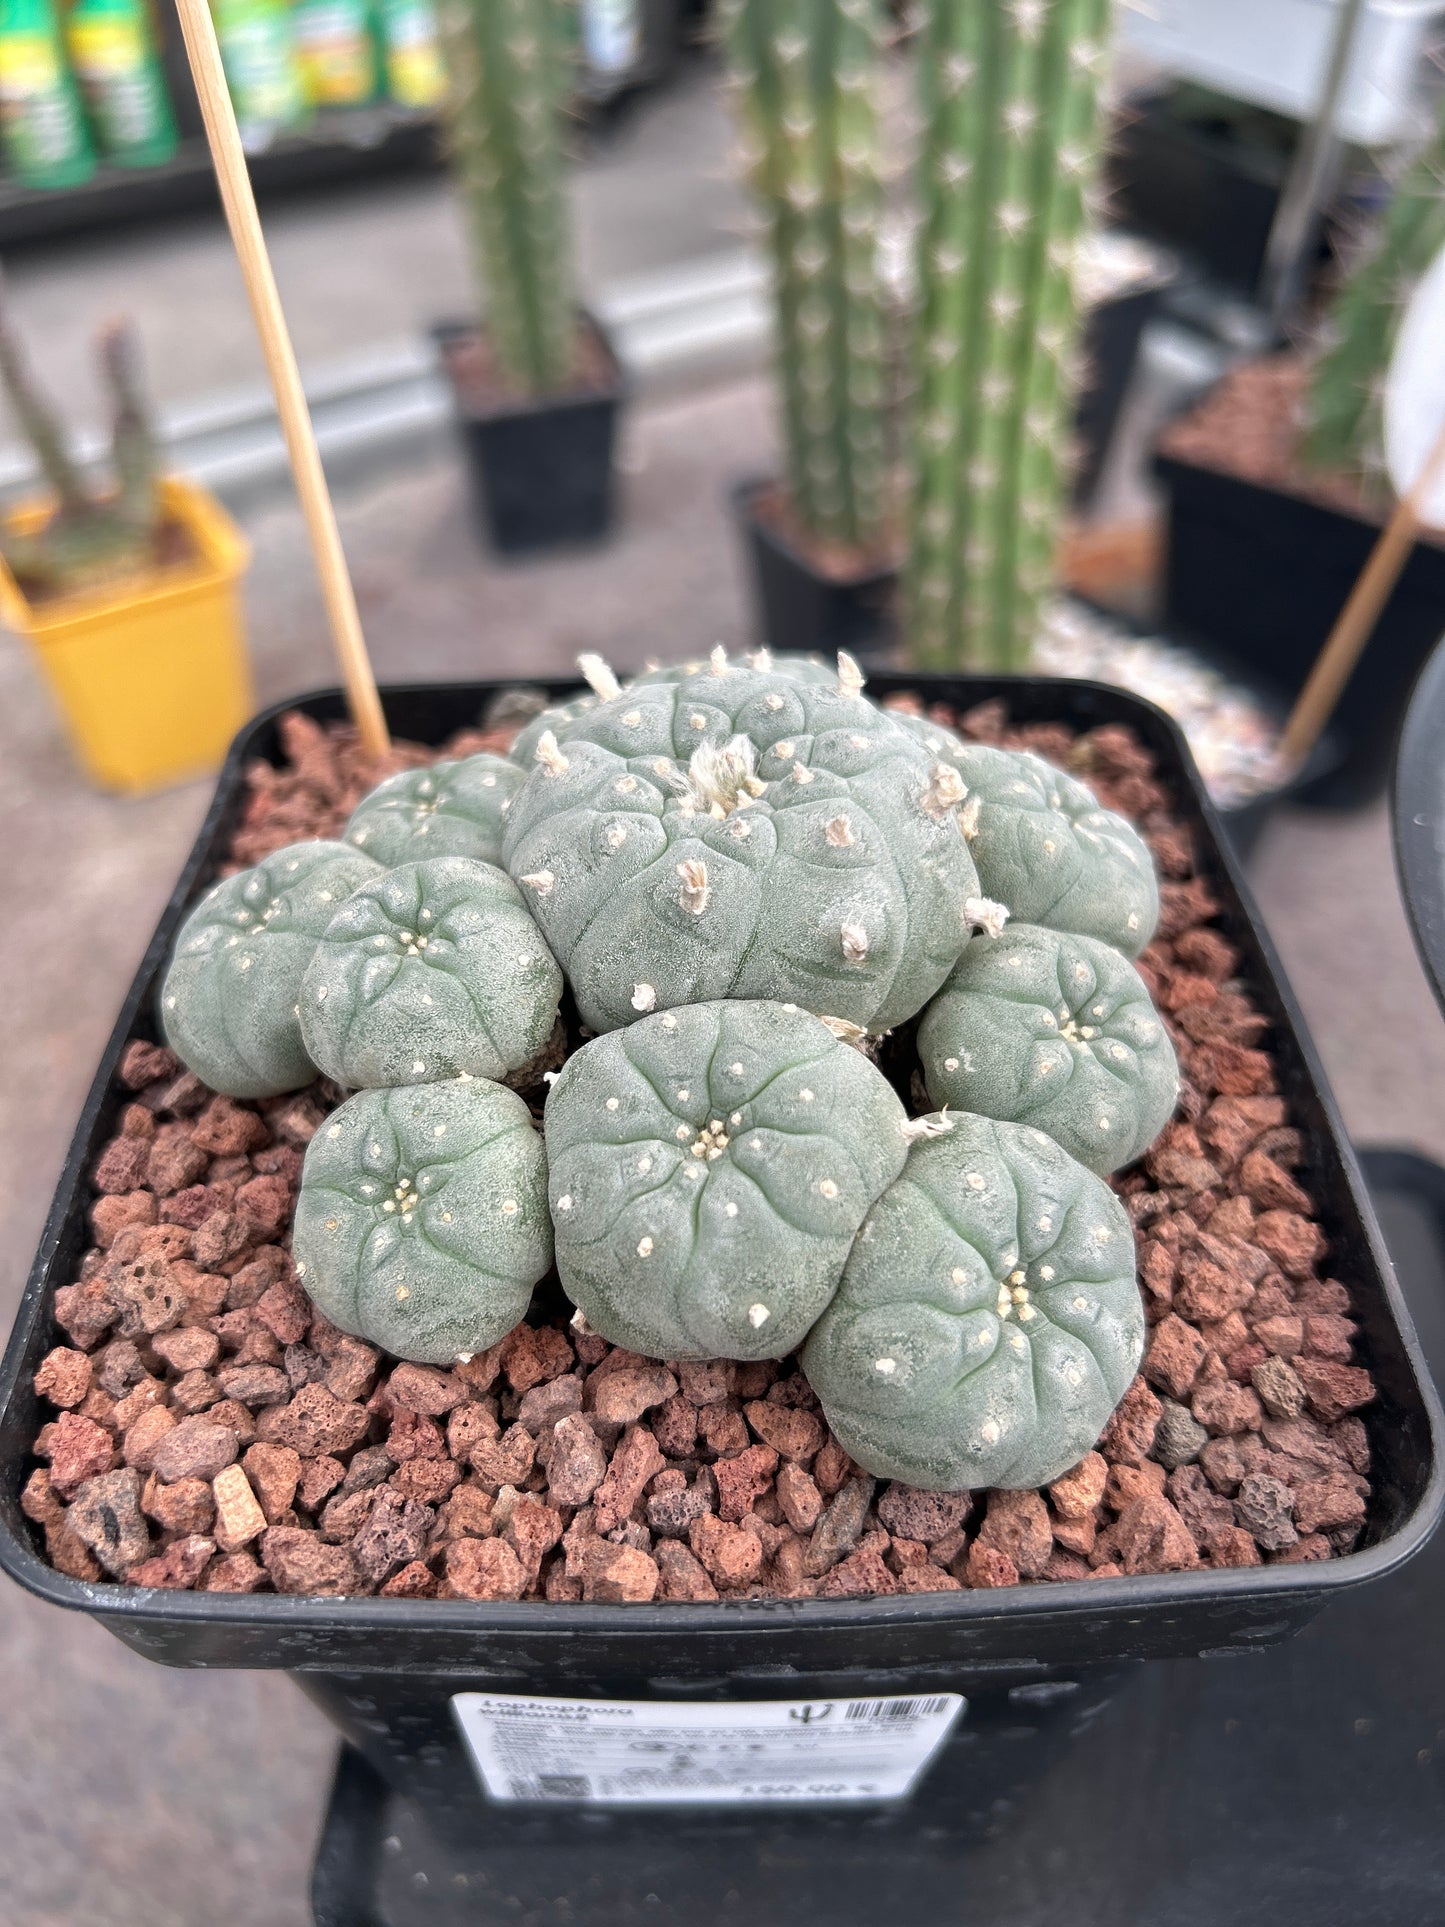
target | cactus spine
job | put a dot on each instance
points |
(1011, 133)
(806, 73)
(1344, 428)
(508, 72)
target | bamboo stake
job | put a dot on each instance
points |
(1356, 621)
(229, 160)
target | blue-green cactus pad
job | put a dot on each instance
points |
(228, 1004)
(1047, 850)
(709, 1168)
(422, 1221)
(988, 1321)
(559, 719)
(744, 834)
(1041, 1027)
(427, 971)
(453, 808)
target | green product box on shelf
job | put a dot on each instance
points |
(44, 133)
(112, 51)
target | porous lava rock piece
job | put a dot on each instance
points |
(741, 833)
(989, 1319)
(709, 1168)
(456, 807)
(228, 1002)
(1045, 1027)
(421, 1224)
(426, 972)
(1044, 847)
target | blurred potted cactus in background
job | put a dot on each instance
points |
(806, 75)
(537, 385)
(1276, 490)
(129, 590)
(1010, 92)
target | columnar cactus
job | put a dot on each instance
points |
(451, 808)
(430, 971)
(1344, 423)
(508, 75)
(709, 1168)
(229, 999)
(806, 73)
(1011, 110)
(422, 1222)
(1046, 849)
(989, 1319)
(741, 833)
(1037, 1027)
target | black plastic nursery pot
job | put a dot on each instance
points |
(799, 604)
(1419, 819)
(1263, 574)
(541, 471)
(1197, 188)
(1111, 348)
(386, 1670)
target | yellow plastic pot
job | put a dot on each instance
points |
(151, 674)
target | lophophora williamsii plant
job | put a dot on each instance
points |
(508, 72)
(788, 919)
(1012, 128)
(806, 77)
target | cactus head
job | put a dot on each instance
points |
(422, 1223)
(451, 808)
(427, 972)
(989, 1319)
(743, 833)
(1037, 1027)
(229, 998)
(1046, 849)
(709, 1168)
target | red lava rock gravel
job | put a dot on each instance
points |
(208, 1430)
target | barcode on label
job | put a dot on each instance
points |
(552, 1786)
(897, 1709)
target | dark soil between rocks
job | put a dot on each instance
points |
(212, 1431)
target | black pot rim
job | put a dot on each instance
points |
(616, 390)
(1130, 1597)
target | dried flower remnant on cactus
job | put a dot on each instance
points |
(744, 833)
(709, 1168)
(229, 1002)
(989, 1318)
(422, 1222)
(1057, 1031)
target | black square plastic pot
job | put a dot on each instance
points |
(1262, 575)
(1111, 347)
(385, 1670)
(800, 606)
(541, 471)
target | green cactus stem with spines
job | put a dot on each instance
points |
(95, 534)
(1344, 402)
(508, 71)
(1010, 97)
(807, 76)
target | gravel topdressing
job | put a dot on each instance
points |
(211, 1431)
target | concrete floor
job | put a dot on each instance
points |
(144, 1798)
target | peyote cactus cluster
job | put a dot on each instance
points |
(508, 77)
(748, 872)
(806, 74)
(1343, 407)
(1011, 135)
(94, 535)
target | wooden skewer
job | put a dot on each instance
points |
(229, 160)
(1356, 621)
